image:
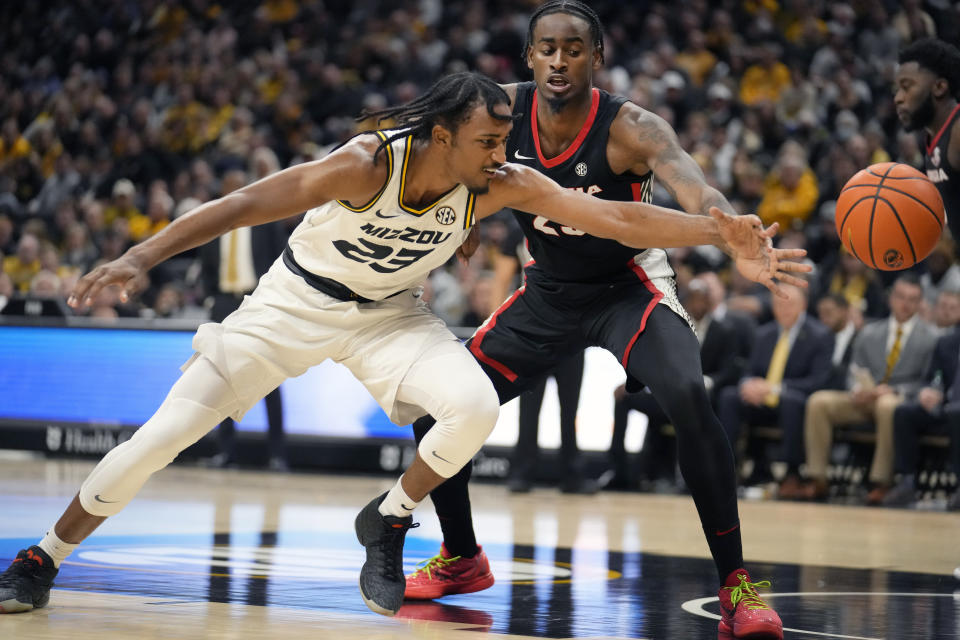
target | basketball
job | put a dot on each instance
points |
(889, 216)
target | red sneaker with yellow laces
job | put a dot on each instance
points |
(744, 613)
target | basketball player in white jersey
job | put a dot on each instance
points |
(383, 210)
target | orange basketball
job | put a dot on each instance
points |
(889, 216)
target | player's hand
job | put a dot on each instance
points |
(466, 250)
(125, 271)
(753, 252)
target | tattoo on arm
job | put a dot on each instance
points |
(680, 175)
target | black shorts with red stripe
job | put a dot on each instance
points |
(546, 321)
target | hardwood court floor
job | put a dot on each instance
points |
(234, 554)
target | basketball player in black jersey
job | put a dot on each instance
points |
(588, 291)
(928, 97)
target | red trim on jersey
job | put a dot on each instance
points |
(637, 188)
(657, 296)
(572, 149)
(503, 369)
(930, 147)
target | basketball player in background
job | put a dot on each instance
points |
(382, 211)
(583, 290)
(927, 97)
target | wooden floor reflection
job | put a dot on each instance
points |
(232, 554)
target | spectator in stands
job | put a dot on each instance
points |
(159, 210)
(25, 263)
(765, 80)
(946, 312)
(790, 192)
(936, 411)
(942, 272)
(790, 360)
(123, 203)
(834, 312)
(890, 358)
(857, 283)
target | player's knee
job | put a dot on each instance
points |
(480, 408)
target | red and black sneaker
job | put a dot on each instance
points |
(744, 613)
(25, 585)
(444, 575)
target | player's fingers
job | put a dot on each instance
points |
(784, 254)
(800, 267)
(778, 291)
(79, 293)
(104, 280)
(771, 230)
(786, 278)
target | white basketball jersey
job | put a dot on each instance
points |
(382, 247)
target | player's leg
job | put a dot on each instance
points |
(196, 403)
(664, 354)
(444, 379)
(515, 349)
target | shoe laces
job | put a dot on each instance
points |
(436, 563)
(28, 564)
(746, 592)
(390, 547)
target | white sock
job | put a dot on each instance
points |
(397, 503)
(56, 548)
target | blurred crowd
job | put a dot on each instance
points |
(116, 117)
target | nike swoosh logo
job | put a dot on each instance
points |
(406, 507)
(380, 215)
(516, 154)
(440, 457)
(99, 499)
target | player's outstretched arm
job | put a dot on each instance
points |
(643, 225)
(635, 224)
(347, 174)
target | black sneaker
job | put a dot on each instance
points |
(382, 583)
(25, 585)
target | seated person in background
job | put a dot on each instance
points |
(834, 312)
(943, 273)
(856, 282)
(945, 314)
(790, 360)
(721, 363)
(936, 410)
(890, 357)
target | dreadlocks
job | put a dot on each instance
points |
(448, 103)
(571, 7)
(941, 58)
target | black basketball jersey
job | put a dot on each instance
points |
(565, 253)
(941, 173)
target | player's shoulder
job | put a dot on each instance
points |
(633, 122)
(367, 151)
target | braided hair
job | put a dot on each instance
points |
(449, 103)
(573, 8)
(940, 57)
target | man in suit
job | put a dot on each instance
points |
(790, 360)
(890, 357)
(721, 364)
(231, 266)
(834, 311)
(935, 411)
